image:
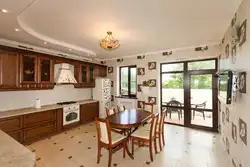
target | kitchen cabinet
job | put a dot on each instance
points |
(28, 64)
(17, 135)
(84, 74)
(88, 112)
(45, 71)
(102, 71)
(9, 70)
(11, 124)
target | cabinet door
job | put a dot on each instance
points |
(84, 73)
(28, 64)
(45, 70)
(17, 135)
(11, 124)
(9, 70)
(89, 112)
(103, 71)
(91, 76)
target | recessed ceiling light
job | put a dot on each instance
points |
(45, 42)
(5, 11)
(70, 49)
(16, 29)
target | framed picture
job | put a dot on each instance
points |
(227, 51)
(234, 133)
(219, 106)
(152, 100)
(112, 84)
(112, 97)
(227, 146)
(243, 33)
(141, 57)
(152, 83)
(152, 65)
(223, 40)
(233, 21)
(243, 131)
(242, 82)
(139, 87)
(110, 69)
(233, 54)
(141, 71)
(227, 114)
(140, 104)
(223, 117)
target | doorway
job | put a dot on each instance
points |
(189, 93)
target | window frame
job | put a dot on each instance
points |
(129, 81)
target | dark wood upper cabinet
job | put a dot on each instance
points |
(28, 64)
(84, 73)
(45, 70)
(9, 70)
(102, 71)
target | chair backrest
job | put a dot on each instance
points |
(174, 103)
(202, 105)
(110, 111)
(103, 130)
(154, 120)
(161, 121)
(121, 108)
(148, 107)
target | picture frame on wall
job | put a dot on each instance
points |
(140, 104)
(152, 100)
(234, 133)
(112, 84)
(227, 114)
(243, 33)
(152, 83)
(139, 87)
(233, 21)
(242, 82)
(243, 131)
(233, 54)
(227, 146)
(141, 71)
(227, 51)
(152, 65)
(110, 69)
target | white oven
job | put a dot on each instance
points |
(71, 114)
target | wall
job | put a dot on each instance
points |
(179, 55)
(231, 116)
(21, 99)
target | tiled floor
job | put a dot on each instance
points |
(184, 148)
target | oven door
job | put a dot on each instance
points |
(71, 117)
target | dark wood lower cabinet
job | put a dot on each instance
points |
(32, 127)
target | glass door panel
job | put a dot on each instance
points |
(201, 99)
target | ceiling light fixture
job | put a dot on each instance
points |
(70, 49)
(5, 11)
(109, 43)
(16, 29)
(45, 42)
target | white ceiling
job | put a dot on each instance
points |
(142, 26)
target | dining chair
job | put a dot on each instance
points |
(109, 140)
(121, 108)
(159, 133)
(110, 111)
(148, 107)
(172, 107)
(197, 106)
(144, 136)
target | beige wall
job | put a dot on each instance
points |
(181, 55)
(239, 152)
(20, 99)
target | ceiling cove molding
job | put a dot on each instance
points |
(15, 44)
(47, 39)
(161, 51)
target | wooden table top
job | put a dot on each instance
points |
(129, 118)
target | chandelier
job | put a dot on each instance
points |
(109, 43)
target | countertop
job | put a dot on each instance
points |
(23, 111)
(13, 154)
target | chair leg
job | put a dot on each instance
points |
(163, 138)
(160, 142)
(170, 115)
(99, 154)
(110, 157)
(151, 151)
(156, 151)
(203, 115)
(133, 146)
(124, 148)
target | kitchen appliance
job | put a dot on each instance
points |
(102, 93)
(64, 74)
(71, 112)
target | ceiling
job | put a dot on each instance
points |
(141, 26)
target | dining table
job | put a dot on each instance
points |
(129, 120)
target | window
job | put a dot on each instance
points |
(202, 65)
(128, 81)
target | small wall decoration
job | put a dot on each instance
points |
(152, 83)
(233, 163)
(243, 33)
(223, 40)
(112, 97)
(152, 100)
(227, 146)
(152, 65)
(243, 131)
(103, 62)
(227, 51)
(139, 87)
(233, 54)
(110, 69)
(234, 20)
(140, 104)
(223, 117)
(167, 53)
(141, 57)
(112, 84)
(234, 133)
(242, 82)
(219, 106)
(141, 71)
(227, 114)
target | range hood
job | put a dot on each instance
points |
(64, 74)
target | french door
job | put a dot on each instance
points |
(189, 93)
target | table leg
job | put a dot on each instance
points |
(128, 140)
